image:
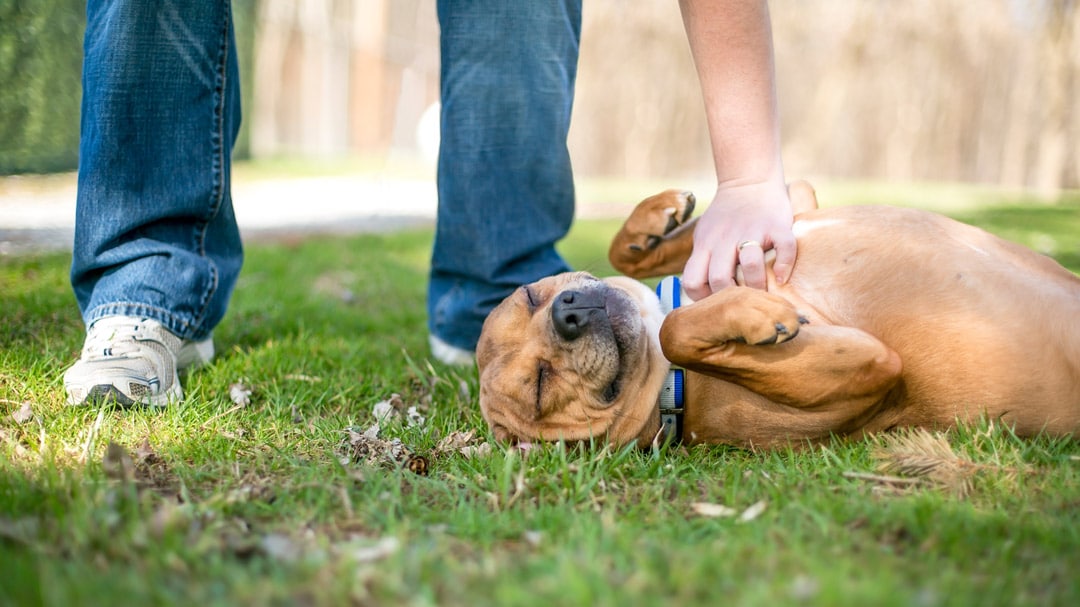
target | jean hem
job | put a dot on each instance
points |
(172, 323)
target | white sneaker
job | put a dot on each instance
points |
(450, 355)
(132, 360)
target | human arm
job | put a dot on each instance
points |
(731, 42)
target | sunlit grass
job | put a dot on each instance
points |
(272, 502)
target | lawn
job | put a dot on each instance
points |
(271, 484)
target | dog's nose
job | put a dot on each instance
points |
(572, 311)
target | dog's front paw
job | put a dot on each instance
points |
(763, 319)
(656, 217)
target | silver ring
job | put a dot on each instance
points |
(746, 243)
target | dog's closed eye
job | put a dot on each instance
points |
(530, 298)
(542, 369)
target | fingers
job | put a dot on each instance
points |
(785, 257)
(751, 257)
(699, 275)
(708, 272)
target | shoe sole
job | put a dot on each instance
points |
(102, 394)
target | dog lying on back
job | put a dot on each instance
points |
(891, 318)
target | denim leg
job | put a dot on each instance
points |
(155, 232)
(506, 192)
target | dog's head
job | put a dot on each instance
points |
(572, 357)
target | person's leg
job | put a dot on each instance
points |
(506, 192)
(155, 234)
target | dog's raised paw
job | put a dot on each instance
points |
(760, 318)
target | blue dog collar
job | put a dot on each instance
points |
(670, 401)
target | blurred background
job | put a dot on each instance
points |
(920, 90)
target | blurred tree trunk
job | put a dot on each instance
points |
(341, 77)
(1059, 68)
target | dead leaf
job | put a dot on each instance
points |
(366, 448)
(753, 511)
(455, 441)
(413, 417)
(476, 450)
(466, 443)
(145, 453)
(23, 414)
(240, 394)
(118, 464)
(167, 516)
(390, 408)
(383, 411)
(711, 510)
(280, 547)
(249, 492)
(367, 551)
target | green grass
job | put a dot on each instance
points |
(269, 504)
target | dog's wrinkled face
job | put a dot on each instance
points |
(572, 357)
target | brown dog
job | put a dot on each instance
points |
(892, 317)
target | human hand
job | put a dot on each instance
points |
(742, 223)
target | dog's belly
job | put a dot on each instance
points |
(982, 326)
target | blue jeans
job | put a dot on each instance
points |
(155, 232)
(506, 192)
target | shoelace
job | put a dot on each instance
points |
(113, 339)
